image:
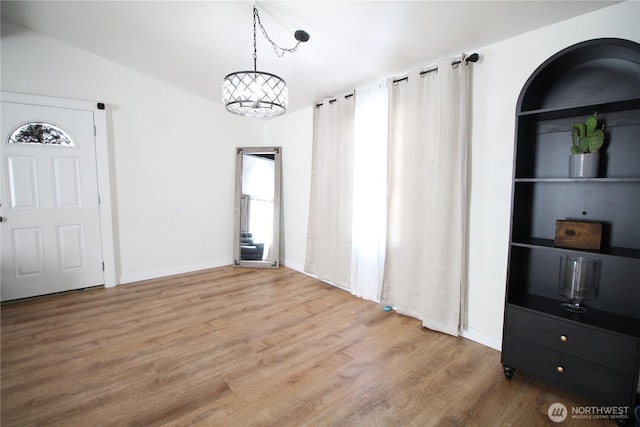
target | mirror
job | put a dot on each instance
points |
(257, 207)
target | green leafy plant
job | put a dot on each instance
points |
(585, 137)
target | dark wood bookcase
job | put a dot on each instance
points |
(595, 354)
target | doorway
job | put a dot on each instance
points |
(52, 234)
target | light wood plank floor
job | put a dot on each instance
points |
(244, 347)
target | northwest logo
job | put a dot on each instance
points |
(557, 412)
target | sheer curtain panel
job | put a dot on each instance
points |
(331, 203)
(369, 195)
(425, 260)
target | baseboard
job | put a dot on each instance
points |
(147, 275)
(297, 267)
(482, 338)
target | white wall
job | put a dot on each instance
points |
(496, 83)
(173, 159)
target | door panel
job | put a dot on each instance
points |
(23, 182)
(66, 174)
(51, 224)
(28, 252)
(71, 247)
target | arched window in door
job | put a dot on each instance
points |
(41, 133)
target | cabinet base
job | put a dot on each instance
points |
(508, 371)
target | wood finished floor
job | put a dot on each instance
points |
(244, 347)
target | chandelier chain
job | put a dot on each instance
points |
(256, 93)
(255, 46)
(280, 51)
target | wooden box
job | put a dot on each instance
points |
(578, 234)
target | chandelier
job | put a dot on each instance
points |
(256, 93)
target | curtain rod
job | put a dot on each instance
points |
(331, 101)
(471, 58)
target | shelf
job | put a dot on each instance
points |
(600, 76)
(547, 244)
(581, 180)
(596, 318)
(601, 108)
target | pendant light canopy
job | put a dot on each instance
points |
(257, 93)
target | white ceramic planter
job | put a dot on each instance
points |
(584, 165)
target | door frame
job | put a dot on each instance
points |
(102, 168)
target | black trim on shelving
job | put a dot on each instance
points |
(599, 319)
(601, 108)
(592, 180)
(548, 244)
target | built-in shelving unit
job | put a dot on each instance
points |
(596, 353)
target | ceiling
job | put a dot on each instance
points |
(193, 45)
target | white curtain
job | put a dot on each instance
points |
(426, 230)
(331, 205)
(369, 190)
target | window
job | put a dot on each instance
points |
(40, 133)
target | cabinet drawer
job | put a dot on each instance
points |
(581, 341)
(600, 383)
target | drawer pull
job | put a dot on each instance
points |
(564, 338)
(560, 369)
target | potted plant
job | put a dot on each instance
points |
(587, 141)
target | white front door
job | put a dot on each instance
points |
(51, 220)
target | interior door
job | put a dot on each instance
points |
(50, 221)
